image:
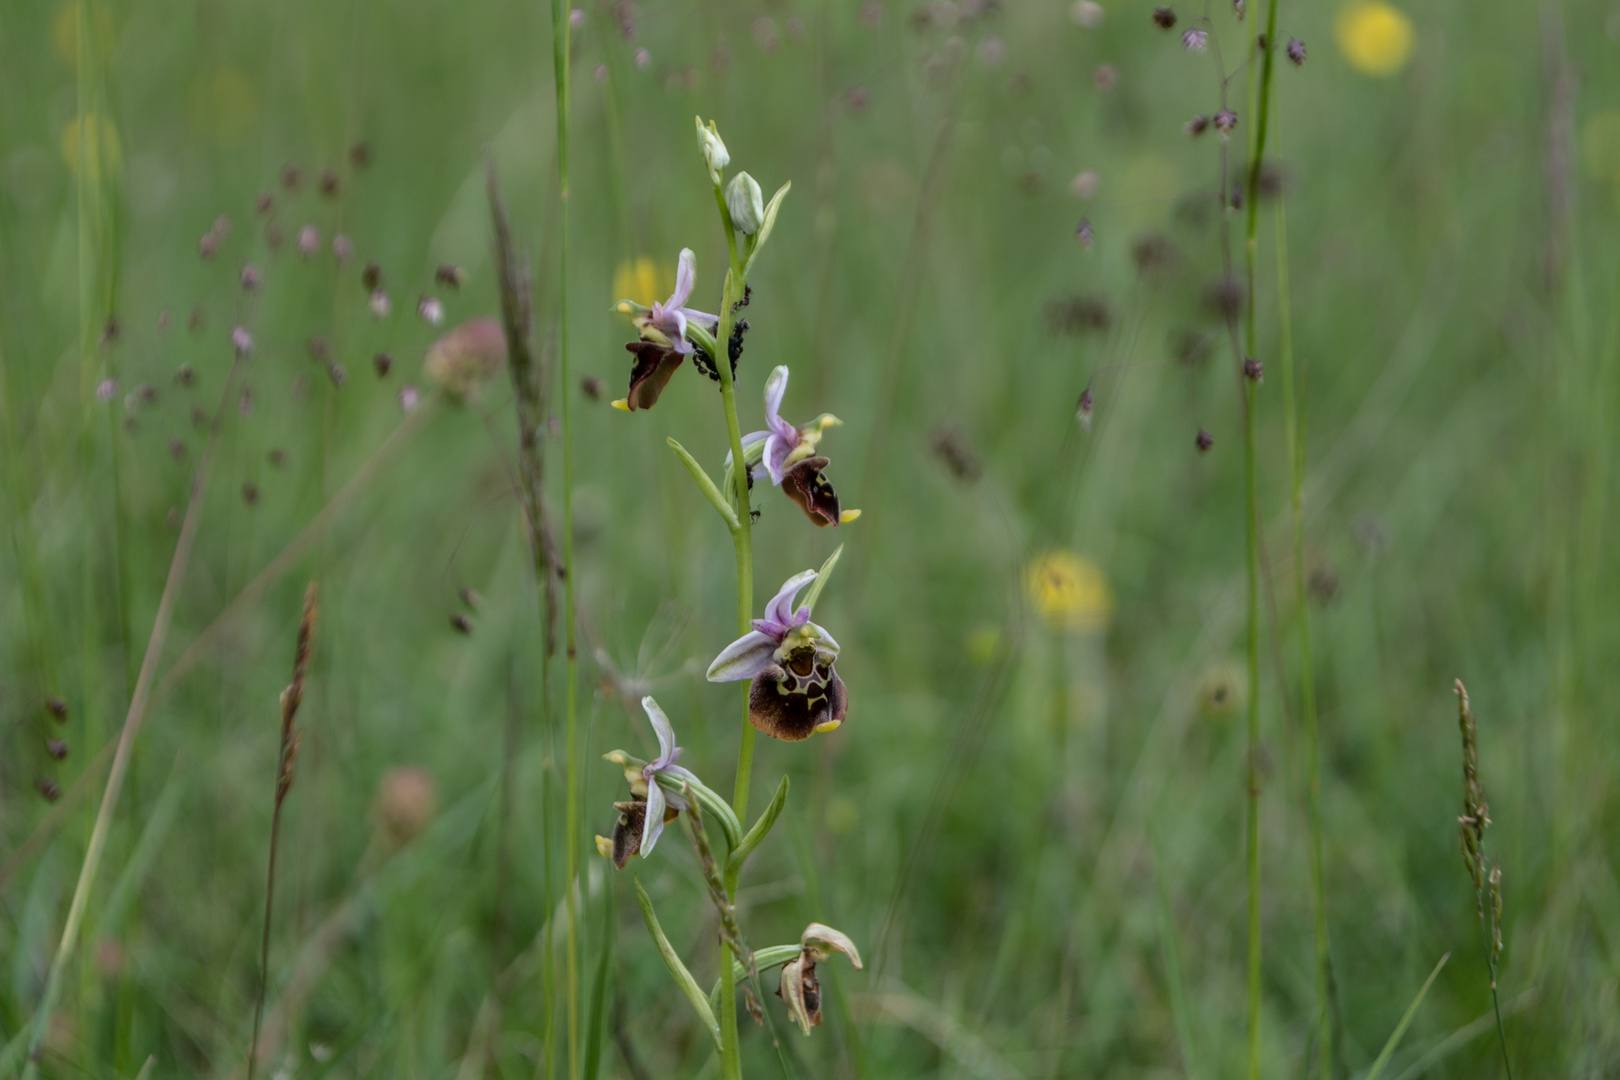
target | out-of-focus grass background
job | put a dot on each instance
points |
(1029, 825)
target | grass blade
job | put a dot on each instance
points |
(1400, 1028)
(705, 485)
(762, 827)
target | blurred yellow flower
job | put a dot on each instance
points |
(65, 32)
(982, 644)
(1069, 592)
(642, 281)
(225, 105)
(101, 138)
(1374, 36)
(1600, 145)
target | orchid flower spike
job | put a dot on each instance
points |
(795, 691)
(788, 455)
(665, 331)
(642, 819)
(801, 989)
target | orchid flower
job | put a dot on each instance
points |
(641, 820)
(801, 989)
(787, 454)
(795, 691)
(665, 330)
(670, 317)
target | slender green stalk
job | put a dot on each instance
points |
(1252, 660)
(559, 61)
(1260, 99)
(1295, 426)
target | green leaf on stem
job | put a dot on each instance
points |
(705, 485)
(710, 800)
(814, 592)
(766, 226)
(764, 960)
(683, 977)
(740, 853)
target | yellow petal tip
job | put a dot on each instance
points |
(622, 404)
(830, 725)
(847, 516)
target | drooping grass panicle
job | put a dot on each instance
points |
(291, 698)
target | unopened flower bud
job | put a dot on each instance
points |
(713, 148)
(746, 203)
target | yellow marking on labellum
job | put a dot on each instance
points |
(622, 404)
(848, 516)
(828, 725)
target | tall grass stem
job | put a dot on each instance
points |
(559, 60)
(126, 739)
(1294, 422)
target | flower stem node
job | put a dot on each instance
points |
(746, 204)
(795, 692)
(713, 149)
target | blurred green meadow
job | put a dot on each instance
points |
(1032, 821)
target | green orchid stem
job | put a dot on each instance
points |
(742, 538)
(559, 59)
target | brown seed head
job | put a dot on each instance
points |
(1164, 18)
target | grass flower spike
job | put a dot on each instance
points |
(795, 691)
